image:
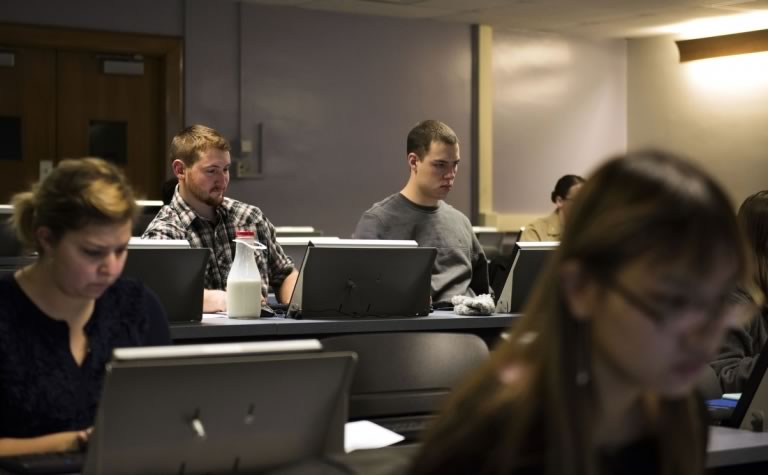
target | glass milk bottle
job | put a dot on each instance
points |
(244, 281)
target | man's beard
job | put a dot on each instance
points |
(205, 197)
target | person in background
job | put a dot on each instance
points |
(743, 345)
(199, 213)
(62, 316)
(419, 212)
(550, 228)
(598, 376)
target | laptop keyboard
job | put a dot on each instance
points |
(47, 463)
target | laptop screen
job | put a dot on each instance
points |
(175, 275)
(219, 408)
(364, 278)
(752, 408)
(528, 261)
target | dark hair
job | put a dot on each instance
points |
(646, 204)
(190, 142)
(167, 189)
(564, 185)
(77, 193)
(422, 135)
(753, 217)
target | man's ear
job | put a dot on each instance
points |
(44, 238)
(179, 169)
(580, 290)
(413, 159)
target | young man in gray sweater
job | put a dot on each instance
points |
(419, 212)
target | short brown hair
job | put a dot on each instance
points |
(77, 193)
(425, 132)
(187, 144)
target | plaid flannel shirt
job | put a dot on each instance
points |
(178, 221)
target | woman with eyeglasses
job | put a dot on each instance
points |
(550, 228)
(743, 345)
(599, 375)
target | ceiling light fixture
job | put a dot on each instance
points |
(726, 45)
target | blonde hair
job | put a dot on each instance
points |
(77, 193)
(187, 144)
(647, 204)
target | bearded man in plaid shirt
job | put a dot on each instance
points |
(201, 214)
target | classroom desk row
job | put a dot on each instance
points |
(730, 452)
(221, 328)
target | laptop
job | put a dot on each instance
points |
(750, 412)
(295, 247)
(528, 260)
(215, 408)
(175, 274)
(223, 408)
(360, 278)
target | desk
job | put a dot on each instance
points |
(730, 451)
(733, 447)
(222, 329)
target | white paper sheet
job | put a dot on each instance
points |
(367, 435)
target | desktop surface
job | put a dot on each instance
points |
(728, 447)
(221, 327)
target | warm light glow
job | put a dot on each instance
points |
(716, 26)
(538, 70)
(540, 55)
(730, 75)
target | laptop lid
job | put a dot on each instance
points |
(296, 246)
(229, 408)
(529, 258)
(175, 274)
(362, 278)
(751, 411)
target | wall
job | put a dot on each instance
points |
(710, 110)
(335, 93)
(559, 108)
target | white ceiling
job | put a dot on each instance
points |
(593, 18)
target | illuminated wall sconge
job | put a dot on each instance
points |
(726, 45)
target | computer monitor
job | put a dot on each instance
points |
(528, 260)
(364, 278)
(175, 273)
(227, 408)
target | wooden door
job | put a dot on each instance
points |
(63, 95)
(27, 117)
(115, 115)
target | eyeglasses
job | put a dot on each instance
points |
(730, 304)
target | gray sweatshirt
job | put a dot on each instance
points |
(460, 266)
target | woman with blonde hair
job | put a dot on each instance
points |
(61, 317)
(550, 227)
(598, 376)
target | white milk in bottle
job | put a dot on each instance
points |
(244, 281)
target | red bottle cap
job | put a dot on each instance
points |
(244, 233)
